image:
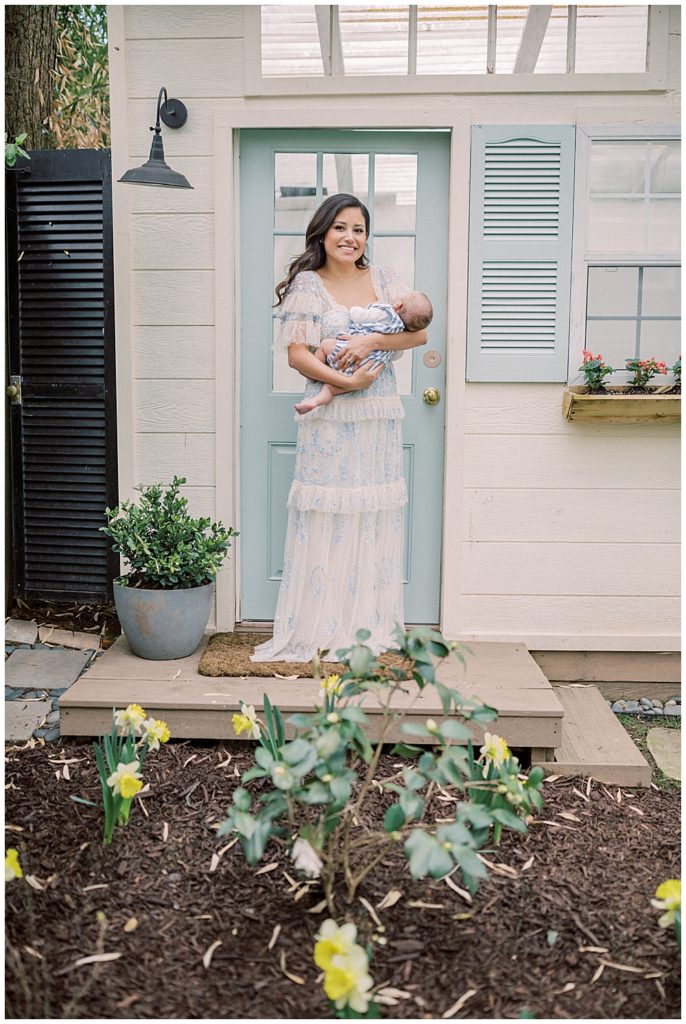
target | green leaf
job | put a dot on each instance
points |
(394, 818)
(405, 750)
(282, 776)
(354, 714)
(340, 789)
(253, 773)
(295, 751)
(470, 866)
(315, 793)
(415, 729)
(454, 730)
(509, 819)
(242, 799)
(412, 804)
(263, 758)
(427, 856)
(82, 800)
(536, 776)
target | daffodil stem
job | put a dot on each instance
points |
(497, 832)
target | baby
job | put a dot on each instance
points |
(411, 313)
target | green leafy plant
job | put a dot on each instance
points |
(80, 115)
(14, 149)
(676, 370)
(119, 757)
(319, 784)
(644, 370)
(162, 543)
(594, 370)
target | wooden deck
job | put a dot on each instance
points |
(503, 675)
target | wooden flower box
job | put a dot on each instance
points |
(620, 406)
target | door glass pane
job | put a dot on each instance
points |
(665, 166)
(661, 291)
(618, 167)
(397, 253)
(612, 291)
(295, 186)
(347, 172)
(284, 377)
(374, 39)
(395, 192)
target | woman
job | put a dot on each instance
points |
(343, 563)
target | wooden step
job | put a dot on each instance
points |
(594, 743)
(503, 675)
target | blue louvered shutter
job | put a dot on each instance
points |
(520, 248)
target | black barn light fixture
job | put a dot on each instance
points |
(155, 171)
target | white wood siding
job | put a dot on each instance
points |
(559, 534)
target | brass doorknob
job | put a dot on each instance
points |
(431, 396)
(12, 391)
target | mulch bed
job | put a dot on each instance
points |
(527, 943)
(72, 615)
(228, 654)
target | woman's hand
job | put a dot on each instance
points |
(356, 351)
(364, 377)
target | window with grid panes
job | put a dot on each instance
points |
(632, 252)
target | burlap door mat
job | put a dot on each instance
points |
(228, 654)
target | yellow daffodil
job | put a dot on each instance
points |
(333, 941)
(12, 865)
(668, 899)
(347, 981)
(246, 721)
(495, 749)
(155, 732)
(132, 717)
(126, 781)
(330, 687)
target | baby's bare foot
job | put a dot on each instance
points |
(302, 407)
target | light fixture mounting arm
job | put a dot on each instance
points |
(173, 112)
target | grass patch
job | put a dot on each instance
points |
(638, 730)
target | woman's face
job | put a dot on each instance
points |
(345, 240)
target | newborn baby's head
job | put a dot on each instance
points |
(415, 311)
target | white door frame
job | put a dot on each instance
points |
(227, 322)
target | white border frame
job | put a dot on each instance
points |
(227, 323)
(585, 135)
(652, 80)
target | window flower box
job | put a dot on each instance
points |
(622, 404)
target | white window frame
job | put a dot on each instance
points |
(652, 80)
(585, 135)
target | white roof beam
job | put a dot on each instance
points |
(532, 38)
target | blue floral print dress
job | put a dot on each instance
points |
(343, 560)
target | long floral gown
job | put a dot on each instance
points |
(343, 561)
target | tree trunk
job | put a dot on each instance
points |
(30, 56)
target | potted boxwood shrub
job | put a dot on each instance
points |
(164, 600)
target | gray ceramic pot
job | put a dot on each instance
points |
(162, 625)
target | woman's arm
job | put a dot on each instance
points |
(360, 345)
(302, 360)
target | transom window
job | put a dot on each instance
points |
(349, 40)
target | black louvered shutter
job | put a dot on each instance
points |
(61, 333)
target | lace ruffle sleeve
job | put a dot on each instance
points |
(393, 289)
(297, 321)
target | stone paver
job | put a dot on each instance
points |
(44, 669)
(20, 631)
(22, 717)
(665, 746)
(65, 638)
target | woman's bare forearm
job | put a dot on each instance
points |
(306, 363)
(399, 342)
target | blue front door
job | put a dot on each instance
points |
(402, 177)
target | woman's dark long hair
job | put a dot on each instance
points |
(314, 256)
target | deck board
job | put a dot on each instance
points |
(503, 675)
